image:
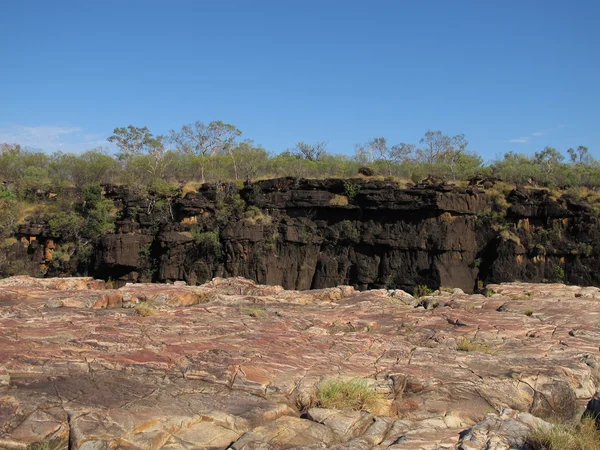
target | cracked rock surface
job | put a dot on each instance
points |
(233, 364)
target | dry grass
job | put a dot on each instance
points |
(354, 395)
(466, 344)
(7, 242)
(507, 235)
(190, 186)
(584, 436)
(339, 200)
(254, 215)
(145, 309)
(256, 311)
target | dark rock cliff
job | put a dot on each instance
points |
(305, 234)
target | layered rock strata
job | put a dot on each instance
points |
(313, 234)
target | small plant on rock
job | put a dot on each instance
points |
(351, 189)
(422, 290)
(466, 344)
(145, 310)
(352, 395)
(256, 312)
(338, 200)
(559, 272)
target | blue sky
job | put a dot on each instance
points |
(511, 75)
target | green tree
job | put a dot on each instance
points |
(548, 160)
(131, 140)
(204, 141)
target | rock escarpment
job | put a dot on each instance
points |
(305, 234)
(232, 364)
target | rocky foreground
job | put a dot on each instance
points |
(232, 364)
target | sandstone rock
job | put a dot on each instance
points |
(234, 363)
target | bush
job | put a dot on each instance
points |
(66, 225)
(351, 189)
(254, 215)
(349, 231)
(559, 272)
(422, 290)
(208, 241)
(352, 395)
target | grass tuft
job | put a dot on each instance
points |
(339, 200)
(469, 345)
(145, 310)
(352, 395)
(584, 436)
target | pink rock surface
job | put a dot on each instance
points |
(232, 363)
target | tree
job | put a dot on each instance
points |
(310, 152)
(581, 155)
(131, 140)
(401, 152)
(204, 141)
(548, 159)
(250, 159)
(160, 157)
(436, 146)
(372, 150)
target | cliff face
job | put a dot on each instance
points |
(304, 234)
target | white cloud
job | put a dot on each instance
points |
(538, 133)
(51, 137)
(521, 140)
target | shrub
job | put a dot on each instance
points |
(352, 395)
(208, 241)
(348, 230)
(254, 215)
(351, 189)
(559, 272)
(422, 290)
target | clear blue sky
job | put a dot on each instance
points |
(511, 75)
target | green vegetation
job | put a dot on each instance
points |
(351, 189)
(66, 191)
(348, 231)
(559, 272)
(422, 291)
(352, 395)
(208, 241)
(583, 436)
(215, 151)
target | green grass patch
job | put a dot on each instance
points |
(354, 395)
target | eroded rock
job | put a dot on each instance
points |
(235, 364)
